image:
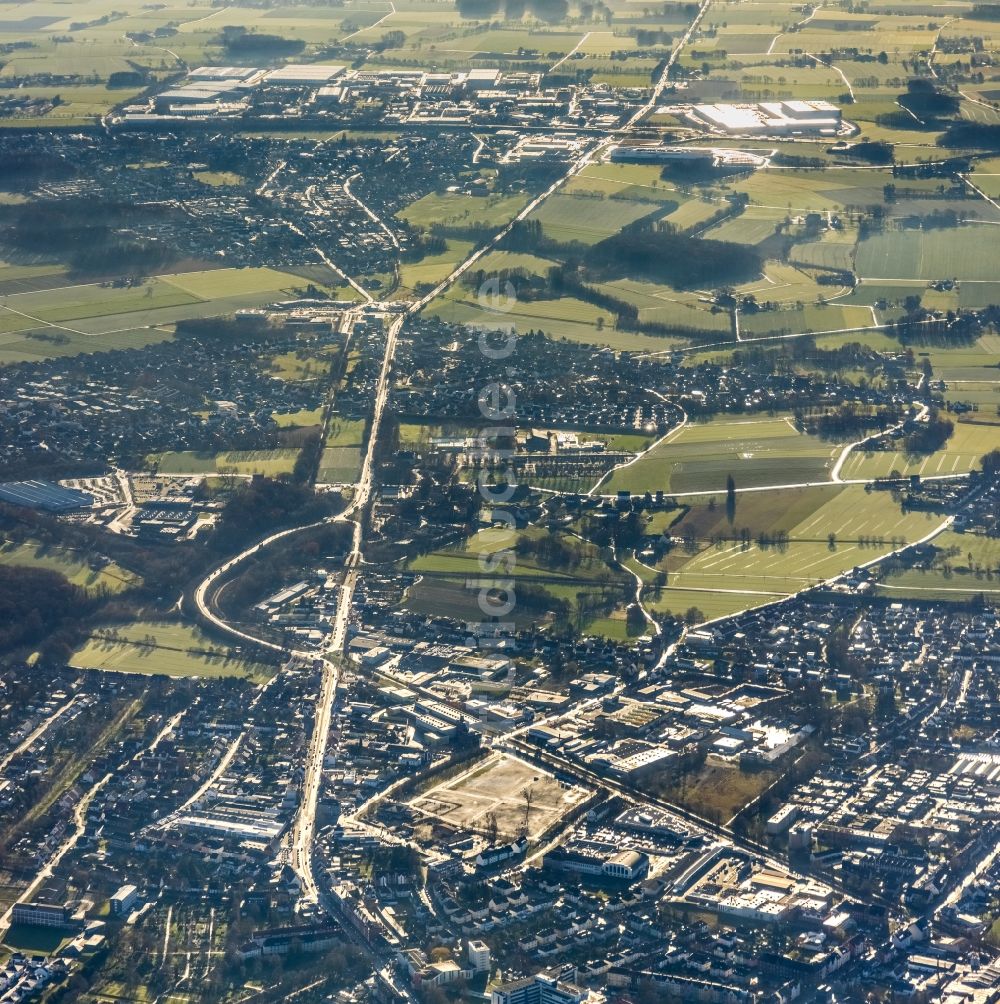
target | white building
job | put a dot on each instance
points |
(479, 956)
(123, 900)
(771, 118)
(296, 74)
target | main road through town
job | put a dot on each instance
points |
(303, 828)
(302, 834)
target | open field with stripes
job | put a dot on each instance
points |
(797, 538)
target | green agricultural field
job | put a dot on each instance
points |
(460, 306)
(746, 229)
(151, 649)
(965, 253)
(298, 419)
(829, 531)
(631, 182)
(786, 285)
(60, 306)
(110, 578)
(961, 454)
(803, 191)
(963, 565)
(757, 451)
(709, 604)
(827, 252)
(872, 339)
(464, 558)
(345, 432)
(761, 512)
(32, 342)
(455, 209)
(428, 272)
(497, 261)
(218, 284)
(26, 278)
(664, 305)
(74, 319)
(693, 214)
(587, 217)
(270, 463)
(971, 373)
(452, 578)
(816, 317)
(566, 317)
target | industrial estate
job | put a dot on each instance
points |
(499, 502)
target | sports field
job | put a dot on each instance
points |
(162, 649)
(498, 786)
(340, 465)
(829, 530)
(341, 460)
(961, 454)
(700, 456)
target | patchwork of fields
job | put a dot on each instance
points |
(453, 579)
(96, 318)
(700, 456)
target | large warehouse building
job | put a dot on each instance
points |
(771, 118)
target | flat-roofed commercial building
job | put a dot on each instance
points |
(41, 915)
(224, 73)
(771, 118)
(543, 988)
(304, 74)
